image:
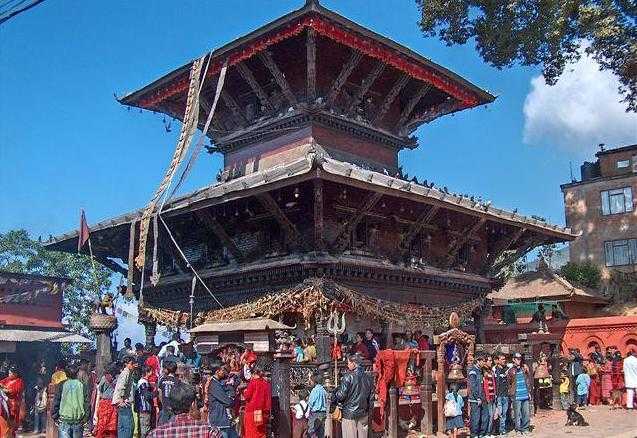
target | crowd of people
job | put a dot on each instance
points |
(501, 388)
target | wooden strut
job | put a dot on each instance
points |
(516, 255)
(319, 223)
(415, 229)
(247, 76)
(216, 125)
(311, 65)
(343, 75)
(292, 235)
(131, 259)
(503, 246)
(400, 83)
(462, 239)
(234, 107)
(217, 229)
(409, 107)
(279, 77)
(110, 264)
(345, 231)
(365, 86)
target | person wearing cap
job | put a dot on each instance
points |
(355, 396)
(519, 379)
(630, 378)
(13, 388)
(479, 410)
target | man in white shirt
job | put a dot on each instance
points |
(630, 378)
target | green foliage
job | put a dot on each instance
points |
(550, 33)
(20, 253)
(583, 274)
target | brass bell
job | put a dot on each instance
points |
(455, 372)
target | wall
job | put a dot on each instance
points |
(45, 312)
(608, 162)
(582, 203)
(620, 331)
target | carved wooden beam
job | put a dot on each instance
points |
(279, 77)
(503, 245)
(425, 218)
(411, 104)
(217, 229)
(311, 65)
(247, 76)
(234, 107)
(343, 75)
(400, 83)
(344, 232)
(292, 235)
(216, 125)
(461, 240)
(319, 223)
(365, 86)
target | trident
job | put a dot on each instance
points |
(335, 329)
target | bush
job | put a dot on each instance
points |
(583, 274)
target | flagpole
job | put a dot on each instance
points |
(90, 250)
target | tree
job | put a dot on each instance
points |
(20, 253)
(582, 274)
(549, 33)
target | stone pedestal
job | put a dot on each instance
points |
(150, 330)
(281, 395)
(103, 326)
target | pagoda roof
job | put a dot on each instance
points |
(544, 284)
(331, 25)
(311, 166)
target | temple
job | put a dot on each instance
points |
(311, 202)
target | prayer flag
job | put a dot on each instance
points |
(83, 234)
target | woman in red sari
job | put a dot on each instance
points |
(595, 390)
(606, 381)
(258, 397)
(13, 388)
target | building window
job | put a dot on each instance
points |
(623, 164)
(621, 252)
(617, 201)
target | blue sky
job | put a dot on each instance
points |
(65, 142)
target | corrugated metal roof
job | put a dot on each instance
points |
(245, 325)
(22, 335)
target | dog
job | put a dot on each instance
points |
(574, 418)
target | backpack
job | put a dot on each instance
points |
(451, 408)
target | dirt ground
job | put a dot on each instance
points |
(604, 423)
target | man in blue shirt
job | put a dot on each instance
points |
(221, 394)
(583, 383)
(317, 406)
(519, 390)
(477, 399)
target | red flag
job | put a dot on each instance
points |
(83, 234)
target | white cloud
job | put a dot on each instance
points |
(582, 110)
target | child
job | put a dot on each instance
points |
(317, 407)
(583, 383)
(453, 411)
(299, 354)
(301, 414)
(565, 390)
(144, 401)
(39, 407)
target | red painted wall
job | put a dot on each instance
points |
(45, 312)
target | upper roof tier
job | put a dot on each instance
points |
(315, 66)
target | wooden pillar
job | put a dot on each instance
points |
(392, 427)
(426, 392)
(51, 428)
(323, 341)
(281, 395)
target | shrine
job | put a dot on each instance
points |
(312, 212)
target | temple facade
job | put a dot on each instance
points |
(311, 200)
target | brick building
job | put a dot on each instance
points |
(601, 207)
